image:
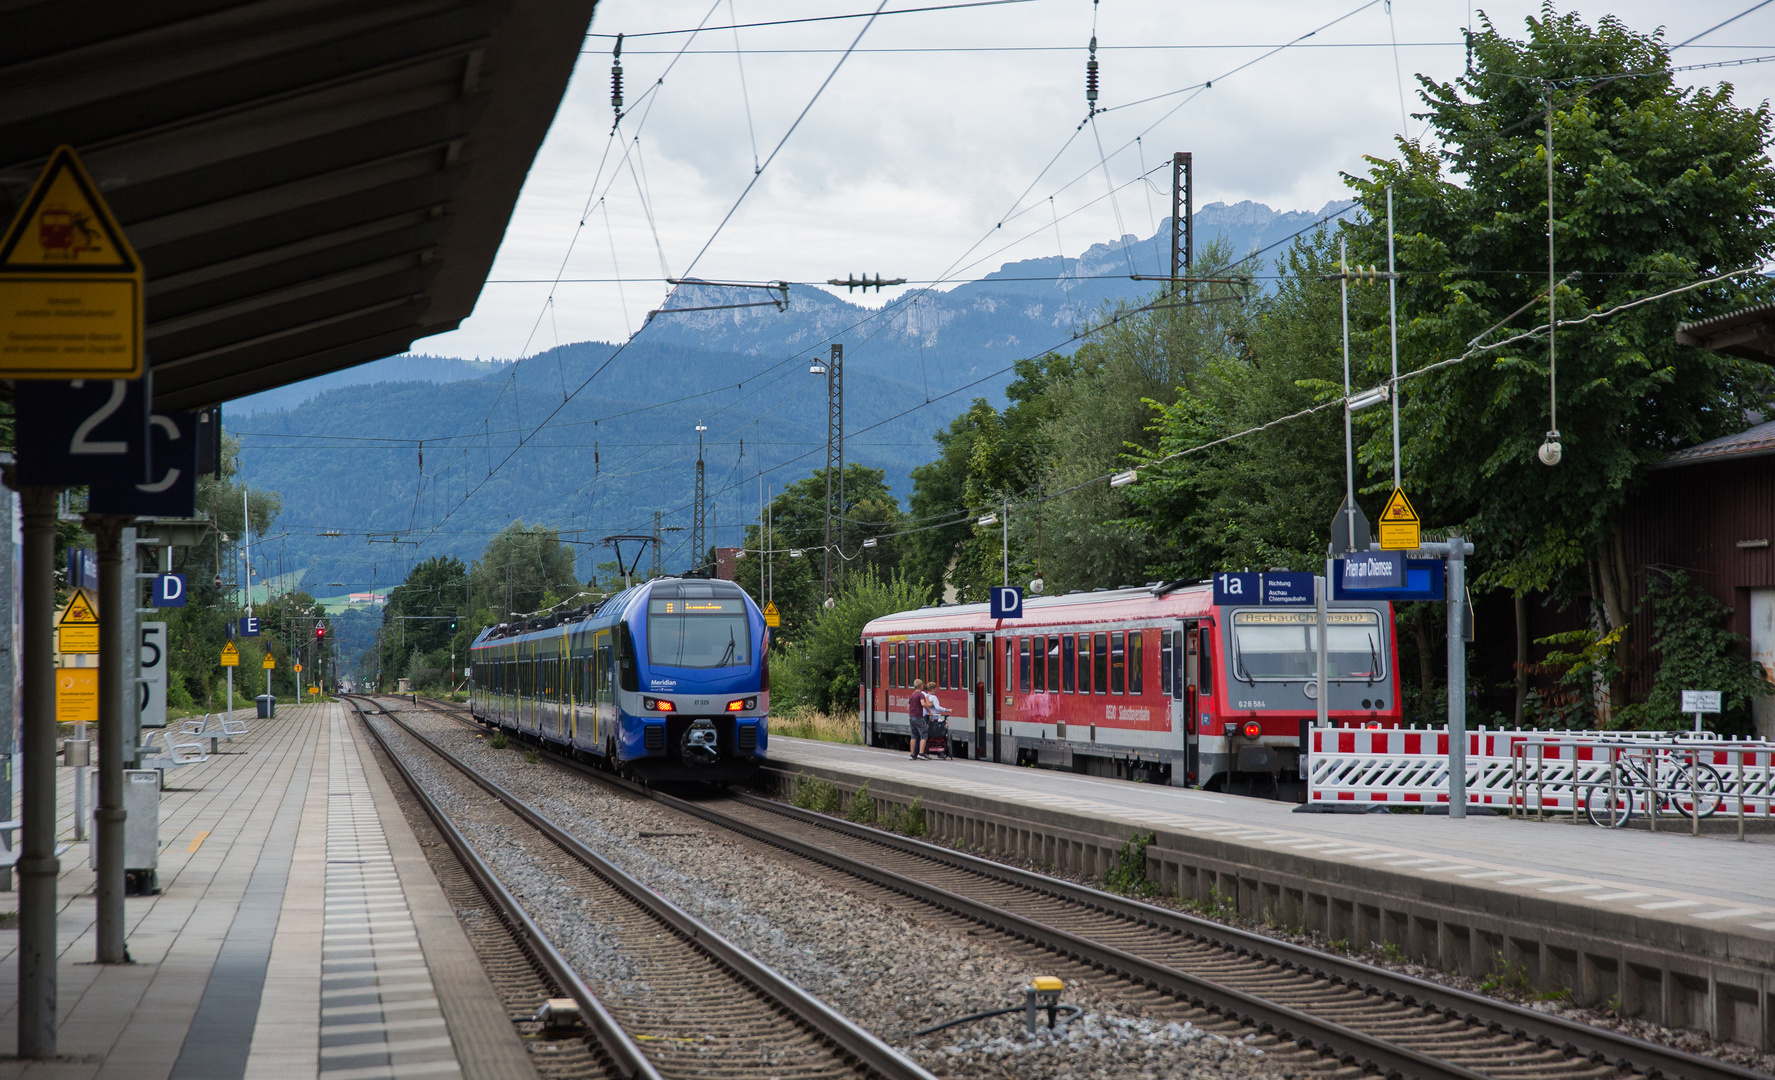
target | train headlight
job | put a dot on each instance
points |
(658, 705)
(742, 704)
(1253, 729)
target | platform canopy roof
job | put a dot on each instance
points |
(311, 184)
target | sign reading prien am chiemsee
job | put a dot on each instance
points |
(70, 285)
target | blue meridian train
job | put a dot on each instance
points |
(667, 680)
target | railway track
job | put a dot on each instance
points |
(1355, 1013)
(692, 1004)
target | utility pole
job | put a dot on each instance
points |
(697, 536)
(834, 455)
(1183, 202)
(1393, 330)
(655, 550)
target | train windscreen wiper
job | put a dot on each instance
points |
(1374, 661)
(732, 647)
(1239, 663)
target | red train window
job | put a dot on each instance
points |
(943, 665)
(955, 675)
(1100, 663)
(1067, 661)
(1084, 663)
(1054, 664)
(1136, 666)
(1023, 664)
(1040, 683)
(1117, 663)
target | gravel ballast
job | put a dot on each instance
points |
(872, 963)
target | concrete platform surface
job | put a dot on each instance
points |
(1710, 881)
(300, 932)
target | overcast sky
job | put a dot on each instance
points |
(942, 122)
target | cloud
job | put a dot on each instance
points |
(911, 157)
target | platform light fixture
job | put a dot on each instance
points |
(989, 519)
(869, 543)
(795, 553)
(1358, 402)
(816, 368)
(1123, 479)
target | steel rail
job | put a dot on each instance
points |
(1573, 1038)
(624, 1052)
(1348, 1045)
(865, 1048)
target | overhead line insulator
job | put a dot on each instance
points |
(1091, 77)
(616, 77)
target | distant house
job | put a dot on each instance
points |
(1710, 510)
(725, 560)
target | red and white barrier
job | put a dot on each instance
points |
(1526, 769)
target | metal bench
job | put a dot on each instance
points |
(177, 754)
(213, 727)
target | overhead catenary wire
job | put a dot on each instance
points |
(825, 18)
(718, 228)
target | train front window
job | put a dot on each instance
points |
(1285, 645)
(696, 632)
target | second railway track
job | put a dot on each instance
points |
(1355, 1013)
(690, 1004)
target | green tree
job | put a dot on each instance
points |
(798, 522)
(525, 569)
(986, 456)
(1654, 186)
(1695, 651)
(1101, 408)
(421, 620)
(213, 577)
(819, 669)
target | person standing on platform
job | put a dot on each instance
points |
(921, 727)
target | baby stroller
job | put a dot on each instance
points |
(937, 745)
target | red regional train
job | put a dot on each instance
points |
(1157, 684)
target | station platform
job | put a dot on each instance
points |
(1678, 927)
(299, 932)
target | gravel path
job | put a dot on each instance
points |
(869, 962)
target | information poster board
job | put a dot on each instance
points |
(152, 699)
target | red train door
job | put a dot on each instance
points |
(1189, 688)
(980, 673)
(871, 679)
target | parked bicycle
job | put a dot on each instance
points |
(1658, 780)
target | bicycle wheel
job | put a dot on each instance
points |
(1608, 808)
(1709, 789)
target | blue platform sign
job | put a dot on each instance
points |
(1287, 588)
(1373, 570)
(1244, 587)
(1007, 601)
(249, 626)
(1424, 580)
(169, 590)
(83, 569)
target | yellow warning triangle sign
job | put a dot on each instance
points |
(65, 226)
(79, 611)
(228, 649)
(1399, 508)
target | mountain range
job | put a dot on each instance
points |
(448, 450)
